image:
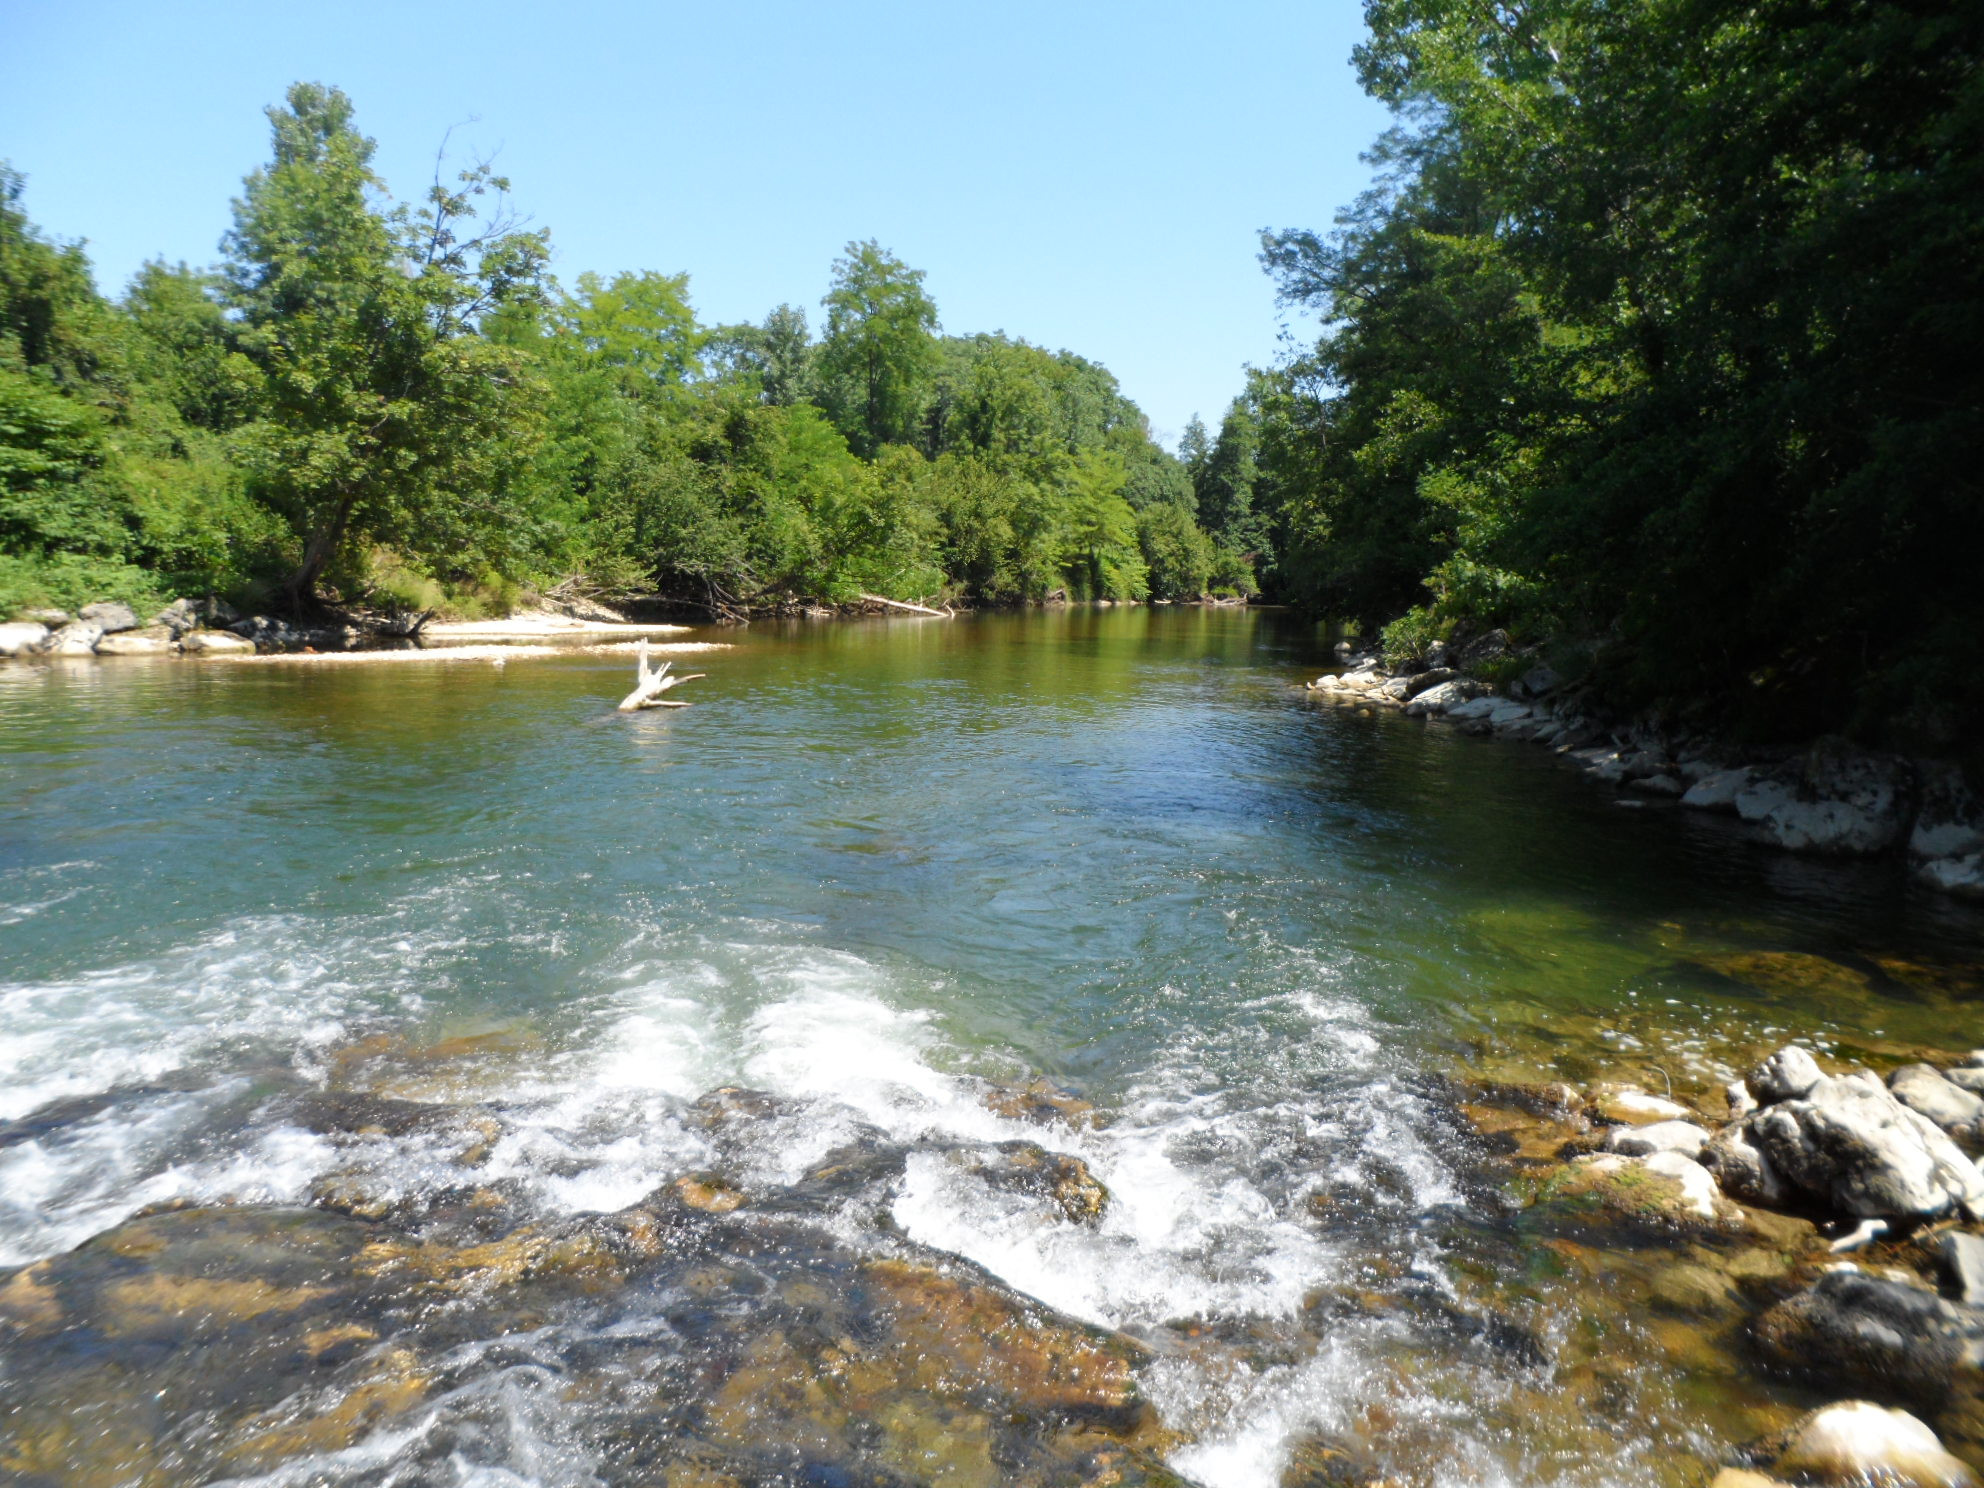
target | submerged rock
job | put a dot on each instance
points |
(1030, 1169)
(1041, 1103)
(691, 1341)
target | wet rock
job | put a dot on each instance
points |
(1322, 1461)
(1030, 1169)
(1040, 1103)
(78, 638)
(731, 1104)
(1741, 1168)
(110, 616)
(1857, 1442)
(1628, 1105)
(1921, 1087)
(22, 638)
(214, 643)
(1849, 1144)
(1683, 1137)
(713, 1193)
(1608, 1196)
(1867, 1332)
(1789, 1074)
(1960, 1254)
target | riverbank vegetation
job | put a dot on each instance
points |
(1656, 333)
(400, 405)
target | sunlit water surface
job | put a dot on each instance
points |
(878, 866)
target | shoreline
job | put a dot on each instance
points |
(1830, 798)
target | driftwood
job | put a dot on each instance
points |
(653, 683)
(897, 604)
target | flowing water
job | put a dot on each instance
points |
(884, 868)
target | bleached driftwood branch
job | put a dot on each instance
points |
(653, 682)
(897, 604)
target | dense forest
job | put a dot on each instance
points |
(399, 406)
(1658, 337)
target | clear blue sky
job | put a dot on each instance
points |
(1088, 176)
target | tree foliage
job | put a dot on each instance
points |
(1658, 331)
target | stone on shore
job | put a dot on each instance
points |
(77, 638)
(1843, 801)
(22, 637)
(215, 643)
(156, 642)
(1741, 1168)
(1950, 821)
(111, 615)
(1789, 1074)
(1960, 876)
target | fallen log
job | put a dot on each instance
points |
(897, 604)
(652, 683)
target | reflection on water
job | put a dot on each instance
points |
(880, 869)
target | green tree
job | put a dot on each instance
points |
(385, 418)
(879, 351)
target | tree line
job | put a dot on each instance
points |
(399, 405)
(1658, 335)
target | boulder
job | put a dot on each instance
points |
(22, 638)
(1922, 1087)
(1966, 1077)
(1762, 794)
(53, 619)
(112, 615)
(1846, 802)
(1848, 1143)
(1739, 1165)
(1537, 682)
(1867, 1332)
(266, 632)
(156, 642)
(1857, 1442)
(1683, 1137)
(1789, 1074)
(178, 617)
(1433, 677)
(215, 643)
(1961, 1256)
(1717, 792)
(1950, 821)
(1476, 707)
(1962, 876)
(1658, 785)
(1614, 1197)
(1508, 711)
(77, 638)
(1445, 696)
(1483, 648)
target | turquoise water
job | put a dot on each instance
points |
(879, 867)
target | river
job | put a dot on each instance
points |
(880, 869)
